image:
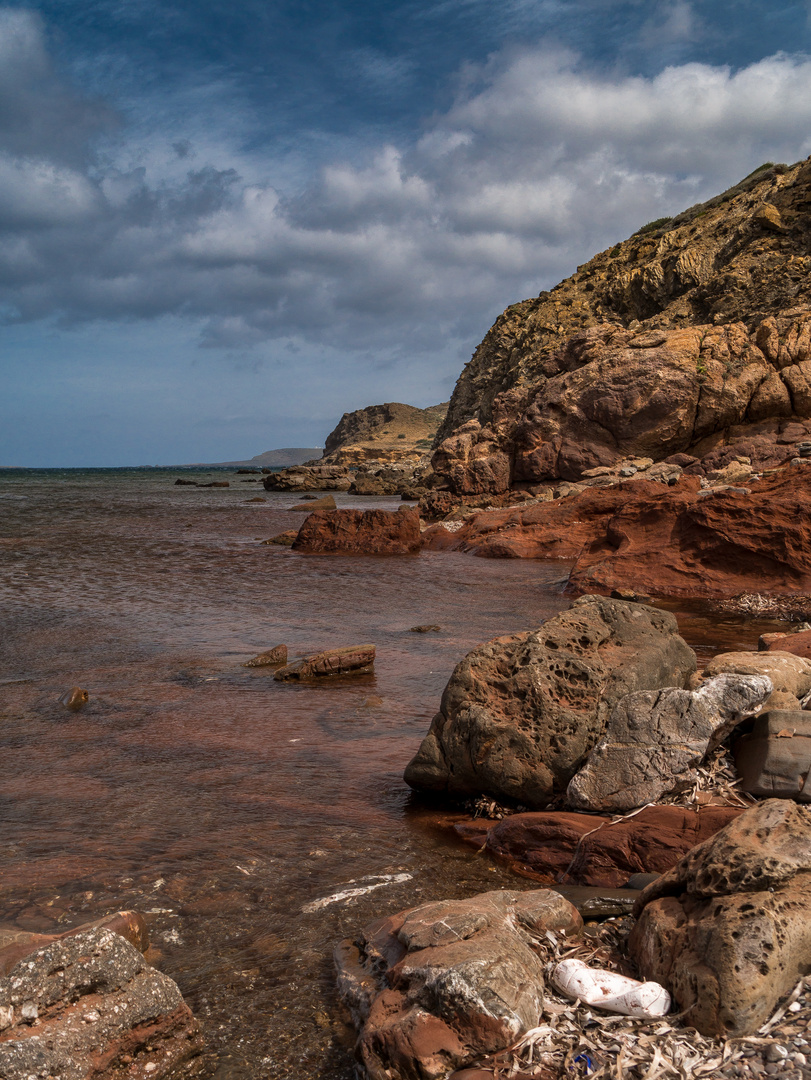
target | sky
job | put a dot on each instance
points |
(222, 225)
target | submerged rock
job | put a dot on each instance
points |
(728, 929)
(520, 713)
(74, 699)
(275, 656)
(436, 987)
(350, 660)
(326, 502)
(89, 1007)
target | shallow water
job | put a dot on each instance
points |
(232, 808)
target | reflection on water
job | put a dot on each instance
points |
(226, 805)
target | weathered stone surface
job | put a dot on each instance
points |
(16, 944)
(728, 929)
(349, 660)
(774, 759)
(659, 540)
(276, 655)
(655, 737)
(361, 532)
(587, 849)
(788, 674)
(327, 502)
(680, 341)
(520, 713)
(436, 987)
(798, 644)
(74, 699)
(309, 478)
(284, 539)
(89, 1007)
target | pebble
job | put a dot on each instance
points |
(776, 1053)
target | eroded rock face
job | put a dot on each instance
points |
(787, 673)
(659, 540)
(774, 759)
(361, 532)
(655, 737)
(436, 987)
(728, 929)
(685, 339)
(588, 849)
(89, 1007)
(520, 713)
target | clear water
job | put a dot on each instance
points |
(222, 803)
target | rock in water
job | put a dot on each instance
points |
(520, 714)
(350, 660)
(89, 1007)
(654, 737)
(277, 655)
(436, 987)
(16, 944)
(74, 699)
(728, 929)
(326, 502)
(361, 532)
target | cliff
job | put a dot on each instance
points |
(384, 433)
(693, 336)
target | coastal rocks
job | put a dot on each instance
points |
(681, 340)
(799, 644)
(15, 944)
(664, 541)
(309, 478)
(392, 432)
(588, 849)
(89, 1007)
(788, 674)
(774, 759)
(327, 502)
(350, 660)
(361, 532)
(520, 713)
(655, 737)
(436, 987)
(728, 929)
(74, 699)
(275, 656)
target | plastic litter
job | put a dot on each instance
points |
(608, 990)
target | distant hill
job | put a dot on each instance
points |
(274, 459)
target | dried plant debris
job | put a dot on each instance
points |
(713, 781)
(792, 608)
(573, 1040)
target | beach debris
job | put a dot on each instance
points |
(358, 890)
(608, 990)
(74, 699)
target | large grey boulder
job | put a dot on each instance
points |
(520, 713)
(89, 1007)
(436, 987)
(728, 929)
(655, 737)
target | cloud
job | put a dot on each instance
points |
(538, 163)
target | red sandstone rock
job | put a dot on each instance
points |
(361, 532)
(350, 660)
(587, 849)
(664, 541)
(799, 644)
(15, 944)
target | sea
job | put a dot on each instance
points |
(255, 823)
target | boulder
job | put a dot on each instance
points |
(309, 478)
(16, 944)
(774, 759)
(275, 656)
(436, 987)
(349, 660)
(728, 929)
(89, 1007)
(520, 713)
(798, 644)
(361, 532)
(655, 737)
(587, 849)
(787, 673)
(327, 502)
(283, 539)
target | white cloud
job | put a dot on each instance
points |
(537, 164)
